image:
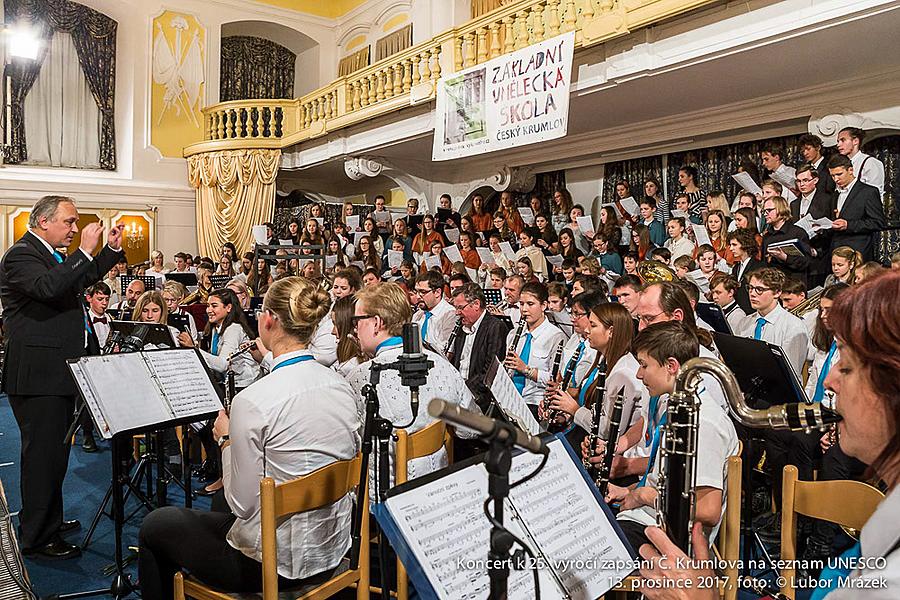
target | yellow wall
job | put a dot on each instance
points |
(20, 226)
(320, 8)
(140, 252)
(355, 42)
(174, 124)
(398, 197)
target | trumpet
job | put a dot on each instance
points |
(520, 328)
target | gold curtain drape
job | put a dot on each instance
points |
(235, 191)
(482, 7)
(354, 62)
(393, 43)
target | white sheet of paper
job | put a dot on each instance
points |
(358, 235)
(353, 222)
(321, 221)
(452, 234)
(722, 265)
(822, 223)
(680, 213)
(700, 279)
(418, 257)
(615, 207)
(508, 251)
(700, 234)
(360, 264)
(555, 259)
(586, 224)
(473, 274)
(184, 381)
(433, 261)
(485, 255)
(805, 223)
(784, 179)
(286, 242)
(631, 205)
(746, 182)
(394, 259)
(330, 261)
(510, 400)
(259, 235)
(452, 253)
(527, 215)
(382, 218)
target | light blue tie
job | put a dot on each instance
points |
(760, 323)
(525, 354)
(428, 316)
(214, 346)
(828, 579)
(826, 366)
(58, 257)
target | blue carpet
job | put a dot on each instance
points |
(86, 483)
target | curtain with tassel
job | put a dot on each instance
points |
(235, 191)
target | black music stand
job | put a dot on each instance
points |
(712, 314)
(185, 278)
(125, 280)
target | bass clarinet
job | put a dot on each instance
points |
(550, 415)
(520, 329)
(615, 430)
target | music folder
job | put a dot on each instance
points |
(763, 371)
(143, 390)
(437, 526)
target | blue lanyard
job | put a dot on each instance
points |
(819, 394)
(293, 361)
(657, 434)
(391, 341)
(588, 380)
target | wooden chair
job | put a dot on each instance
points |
(315, 490)
(847, 503)
(422, 443)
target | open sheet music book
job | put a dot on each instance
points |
(136, 390)
(437, 525)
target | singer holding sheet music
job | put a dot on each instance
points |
(268, 434)
(42, 294)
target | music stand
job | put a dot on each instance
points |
(713, 314)
(158, 334)
(185, 278)
(125, 280)
(219, 281)
(493, 296)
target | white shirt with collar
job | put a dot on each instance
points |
(323, 344)
(246, 371)
(842, 196)
(468, 344)
(805, 202)
(872, 173)
(440, 325)
(784, 330)
(623, 376)
(545, 338)
(443, 381)
(680, 247)
(101, 329)
(272, 435)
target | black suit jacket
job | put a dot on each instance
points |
(43, 313)
(864, 212)
(742, 296)
(826, 183)
(822, 205)
(490, 341)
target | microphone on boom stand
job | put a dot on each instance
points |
(413, 365)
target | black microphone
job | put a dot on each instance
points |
(413, 365)
(135, 341)
(455, 414)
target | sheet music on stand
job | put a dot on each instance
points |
(509, 399)
(126, 392)
(437, 525)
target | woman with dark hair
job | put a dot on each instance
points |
(567, 247)
(717, 230)
(479, 215)
(349, 354)
(640, 241)
(527, 248)
(653, 189)
(547, 239)
(745, 218)
(610, 227)
(366, 253)
(294, 231)
(866, 324)
(560, 208)
(501, 228)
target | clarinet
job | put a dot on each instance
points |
(515, 343)
(596, 417)
(448, 349)
(550, 415)
(611, 439)
(229, 391)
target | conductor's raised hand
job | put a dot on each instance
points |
(115, 236)
(90, 237)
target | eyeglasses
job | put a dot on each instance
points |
(463, 307)
(578, 314)
(259, 312)
(648, 319)
(355, 319)
(768, 210)
(805, 180)
(758, 289)
(419, 292)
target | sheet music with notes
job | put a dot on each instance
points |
(138, 390)
(444, 535)
(509, 398)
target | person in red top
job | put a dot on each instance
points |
(423, 241)
(509, 208)
(482, 220)
(468, 251)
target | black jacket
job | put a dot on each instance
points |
(822, 205)
(793, 266)
(43, 313)
(741, 295)
(864, 212)
(490, 341)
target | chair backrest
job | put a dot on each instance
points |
(424, 442)
(730, 530)
(318, 489)
(847, 503)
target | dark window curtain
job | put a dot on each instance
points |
(253, 67)
(635, 172)
(887, 150)
(94, 36)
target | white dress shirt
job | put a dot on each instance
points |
(468, 344)
(805, 202)
(623, 376)
(443, 382)
(784, 330)
(246, 371)
(440, 325)
(680, 247)
(323, 344)
(546, 337)
(842, 196)
(100, 329)
(273, 434)
(872, 173)
(815, 370)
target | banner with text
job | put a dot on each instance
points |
(513, 100)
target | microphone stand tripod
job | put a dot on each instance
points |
(498, 461)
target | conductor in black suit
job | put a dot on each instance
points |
(859, 211)
(479, 338)
(42, 293)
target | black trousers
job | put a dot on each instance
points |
(790, 448)
(174, 538)
(43, 422)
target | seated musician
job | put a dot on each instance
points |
(268, 434)
(661, 350)
(151, 308)
(381, 311)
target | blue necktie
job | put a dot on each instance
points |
(826, 366)
(428, 316)
(828, 579)
(525, 354)
(652, 436)
(760, 323)
(214, 346)
(58, 257)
